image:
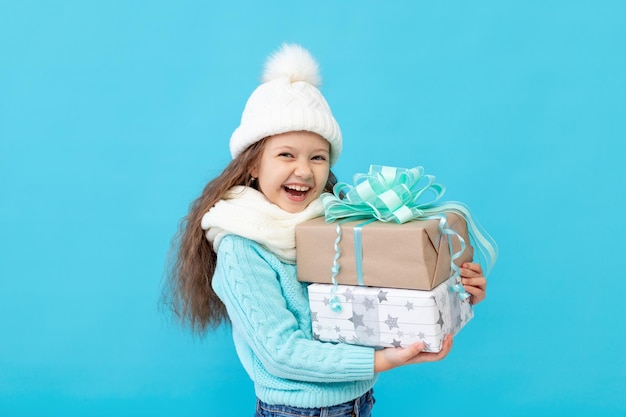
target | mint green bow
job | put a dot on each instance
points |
(385, 193)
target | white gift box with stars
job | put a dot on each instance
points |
(387, 317)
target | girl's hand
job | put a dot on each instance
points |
(474, 282)
(390, 358)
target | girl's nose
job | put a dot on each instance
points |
(303, 170)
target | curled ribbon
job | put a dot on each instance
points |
(398, 194)
(335, 304)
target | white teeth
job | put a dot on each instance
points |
(297, 187)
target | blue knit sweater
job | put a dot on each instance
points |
(271, 326)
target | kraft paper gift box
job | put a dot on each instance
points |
(387, 317)
(412, 255)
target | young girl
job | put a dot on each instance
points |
(236, 254)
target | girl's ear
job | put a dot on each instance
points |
(254, 172)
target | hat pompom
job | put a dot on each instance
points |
(293, 62)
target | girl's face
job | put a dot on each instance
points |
(293, 169)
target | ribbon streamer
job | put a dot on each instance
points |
(398, 194)
(358, 250)
(335, 304)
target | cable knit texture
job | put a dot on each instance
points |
(271, 325)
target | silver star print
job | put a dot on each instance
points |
(348, 294)
(396, 343)
(357, 319)
(382, 296)
(440, 321)
(313, 315)
(409, 306)
(369, 303)
(392, 322)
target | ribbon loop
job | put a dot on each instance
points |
(385, 193)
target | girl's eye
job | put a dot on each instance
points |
(319, 158)
(285, 154)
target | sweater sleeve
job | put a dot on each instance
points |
(248, 284)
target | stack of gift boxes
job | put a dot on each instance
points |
(392, 285)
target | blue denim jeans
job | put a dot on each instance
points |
(360, 407)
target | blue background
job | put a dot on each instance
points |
(114, 114)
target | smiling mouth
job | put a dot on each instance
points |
(296, 190)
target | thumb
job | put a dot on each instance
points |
(412, 350)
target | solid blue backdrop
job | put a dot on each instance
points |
(113, 115)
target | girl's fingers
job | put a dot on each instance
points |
(473, 281)
(479, 282)
(476, 294)
(473, 290)
(472, 268)
(469, 273)
(435, 356)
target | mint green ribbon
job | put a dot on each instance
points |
(400, 195)
(385, 193)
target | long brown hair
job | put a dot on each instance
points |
(188, 292)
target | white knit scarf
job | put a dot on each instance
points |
(246, 212)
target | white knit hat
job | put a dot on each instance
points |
(287, 101)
